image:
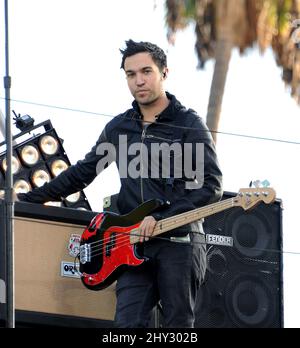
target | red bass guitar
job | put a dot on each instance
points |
(108, 244)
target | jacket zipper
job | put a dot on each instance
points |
(151, 136)
(142, 167)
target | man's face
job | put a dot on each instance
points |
(144, 79)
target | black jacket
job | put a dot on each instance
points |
(175, 125)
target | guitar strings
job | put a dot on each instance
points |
(120, 241)
(205, 210)
(109, 242)
(125, 242)
(168, 222)
(119, 246)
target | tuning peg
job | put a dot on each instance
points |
(256, 183)
(265, 183)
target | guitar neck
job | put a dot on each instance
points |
(182, 219)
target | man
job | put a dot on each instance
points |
(176, 263)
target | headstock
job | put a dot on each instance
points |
(249, 197)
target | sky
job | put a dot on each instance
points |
(65, 54)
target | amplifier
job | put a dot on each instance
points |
(47, 288)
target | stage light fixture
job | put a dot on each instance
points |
(40, 177)
(58, 166)
(24, 123)
(22, 186)
(49, 145)
(37, 160)
(30, 155)
(16, 165)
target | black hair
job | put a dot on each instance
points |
(158, 55)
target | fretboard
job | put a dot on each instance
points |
(182, 219)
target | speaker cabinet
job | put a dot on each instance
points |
(46, 287)
(244, 284)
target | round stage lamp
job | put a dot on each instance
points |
(49, 145)
(73, 198)
(22, 186)
(58, 166)
(40, 177)
(15, 163)
(30, 155)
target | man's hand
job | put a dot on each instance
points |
(146, 228)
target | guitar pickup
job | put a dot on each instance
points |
(85, 253)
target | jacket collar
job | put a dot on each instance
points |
(166, 114)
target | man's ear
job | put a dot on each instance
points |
(164, 74)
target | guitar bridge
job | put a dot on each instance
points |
(85, 253)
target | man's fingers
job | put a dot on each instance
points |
(148, 231)
(147, 228)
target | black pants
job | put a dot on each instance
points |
(172, 274)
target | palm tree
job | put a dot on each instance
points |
(222, 25)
